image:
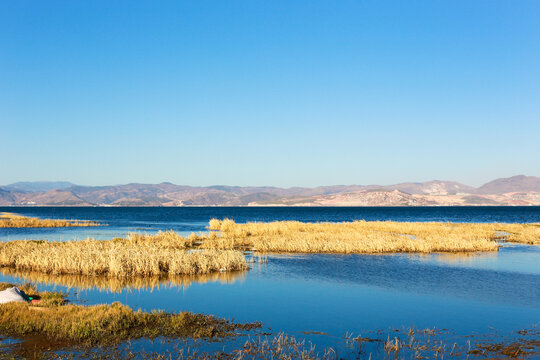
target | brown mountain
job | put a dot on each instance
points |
(433, 187)
(6, 197)
(517, 190)
(519, 183)
(54, 197)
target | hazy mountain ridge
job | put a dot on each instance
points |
(37, 186)
(512, 184)
(516, 190)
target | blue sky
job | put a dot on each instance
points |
(277, 93)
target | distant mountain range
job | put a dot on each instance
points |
(516, 190)
(37, 186)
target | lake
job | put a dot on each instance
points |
(329, 294)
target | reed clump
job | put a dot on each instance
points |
(10, 220)
(365, 236)
(520, 233)
(106, 324)
(165, 253)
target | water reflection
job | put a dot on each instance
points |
(119, 284)
(458, 259)
(511, 258)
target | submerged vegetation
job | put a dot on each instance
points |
(165, 253)
(365, 236)
(105, 324)
(405, 343)
(10, 220)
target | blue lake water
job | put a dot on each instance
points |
(334, 294)
(186, 220)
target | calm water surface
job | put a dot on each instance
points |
(333, 294)
(186, 220)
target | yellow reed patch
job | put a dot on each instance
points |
(10, 220)
(365, 236)
(165, 253)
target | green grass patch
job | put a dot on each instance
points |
(105, 324)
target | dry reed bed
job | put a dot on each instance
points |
(167, 253)
(10, 220)
(137, 255)
(364, 237)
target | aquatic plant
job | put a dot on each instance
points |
(103, 324)
(10, 220)
(165, 253)
(351, 237)
(520, 233)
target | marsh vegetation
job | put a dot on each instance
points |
(369, 237)
(123, 264)
(10, 220)
(165, 253)
(406, 343)
(55, 319)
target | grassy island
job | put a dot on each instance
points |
(368, 237)
(104, 324)
(10, 220)
(165, 253)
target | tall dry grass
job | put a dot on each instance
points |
(137, 255)
(167, 253)
(520, 233)
(10, 220)
(364, 236)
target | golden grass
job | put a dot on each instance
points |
(117, 284)
(167, 253)
(520, 233)
(364, 237)
(102, 324)
(10, 220)
(137, 255)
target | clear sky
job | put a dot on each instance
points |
(274, 92)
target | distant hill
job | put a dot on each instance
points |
(6, 197)
(433, 187)
(519, 183)
(37, 186)
(517, 190)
